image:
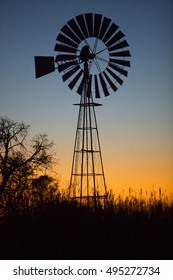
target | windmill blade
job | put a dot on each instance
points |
(122, 44)
(97, 24)
(75, 80)
(73, 25)
(44, 65)
(82, 25)
(89, 92)
(68, 74)
(112, 85)
(104, 87)
(64, 48)
(80, 88)
(119, 35)
(104, 27)
(66, 65)
(89, 22)
(123, 53)
(63, 39)
(118, 69)
(121, 62)
(67, 31)
(114, 76)
(65, 57)
(96, 87)
(113, 28)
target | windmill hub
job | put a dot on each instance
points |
(85, 54)
(93, 49)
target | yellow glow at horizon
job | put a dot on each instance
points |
(127, 173)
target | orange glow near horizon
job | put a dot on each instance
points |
(124, 174)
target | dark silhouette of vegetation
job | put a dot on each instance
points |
(126, 228)
(37, 221)
(18, 160)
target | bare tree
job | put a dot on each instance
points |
(15, 153)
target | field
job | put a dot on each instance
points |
(133, 227)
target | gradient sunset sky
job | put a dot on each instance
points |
(135, 123)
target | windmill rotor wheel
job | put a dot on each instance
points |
(98, 41)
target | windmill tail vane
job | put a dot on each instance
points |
(91, 56)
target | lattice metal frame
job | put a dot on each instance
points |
(92, 57)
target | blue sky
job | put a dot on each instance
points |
(135, 123)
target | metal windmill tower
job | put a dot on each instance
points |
(91, 55)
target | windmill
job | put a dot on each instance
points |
(91, 56)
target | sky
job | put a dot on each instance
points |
(135, 123)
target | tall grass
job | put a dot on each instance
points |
(144, 202)
(126, 227)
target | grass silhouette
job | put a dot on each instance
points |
(131, 227)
